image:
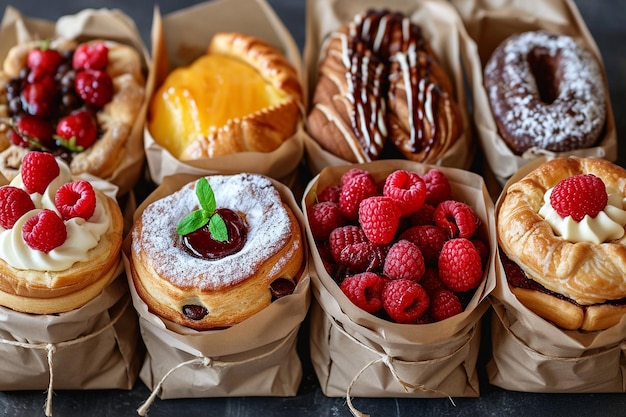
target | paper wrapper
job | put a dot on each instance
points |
(183, 36)
(533, 355)
(88, 24)
(357, 354)
(442, 27)
(489, 22)
(256, 357)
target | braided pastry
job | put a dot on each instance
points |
(361, 99)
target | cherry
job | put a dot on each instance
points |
(201, 244)
(78, 130)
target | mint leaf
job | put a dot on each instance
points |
(217, 227)
(193, 221)
(205, 195)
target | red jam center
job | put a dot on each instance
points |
(201, 244)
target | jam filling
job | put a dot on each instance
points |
(281, 287)
(194, 312)
(517, 278)
(201, 243)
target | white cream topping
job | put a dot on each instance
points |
(82, 235)
(606, 226)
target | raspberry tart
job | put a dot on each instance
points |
(216, 251)
(60, 238)
(78, 101)
(563, 247)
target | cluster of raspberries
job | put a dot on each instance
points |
(402, 249)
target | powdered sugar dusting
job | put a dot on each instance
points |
(268, 231)
(577, 115)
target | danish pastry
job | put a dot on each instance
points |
(379, 79)
(60, 238)
(44, 84)
(202, 278)
(242, 95)
(563, 226)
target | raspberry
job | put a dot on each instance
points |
(431, 282)
(456, 218)
(14, 202)
(330, 193)
(379, 217)
(94, 87)
(38, 170)
(355, 172)
(91, 56)
(444, 304)
(460, 267)
(365, 290)
(44, 231)
(482, 248)
(75, 199)
(405, 301)
(358, 257)
(404, 261)
(429, 239)
(423, 216)
(323, 218)
(580, 195)
(355, 190)
(407, 189)
(342, 237)
(437, 187)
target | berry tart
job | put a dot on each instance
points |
(216, 251)
(60, 238)
(78, 101)
(400, 247)
(562, 242)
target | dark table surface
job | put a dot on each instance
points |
(606, 19)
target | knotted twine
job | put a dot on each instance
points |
(205, 362)
(50, 348)
(388, 361)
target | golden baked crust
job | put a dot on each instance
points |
(360, 99)
(47, 292)
(115, 119)
(167, 286)
(589, 274)
(261, 131)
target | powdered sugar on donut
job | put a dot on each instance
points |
(268, 222)
(576, 116)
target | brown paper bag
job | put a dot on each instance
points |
(531, 354)
(182, 36)
(442, 27)
(256, 357)
(85, 25)
(489, 22)
(355, 353)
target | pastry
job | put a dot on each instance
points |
(545, 92)
(242, 95)
(60, 238)
(208, 276)
(361, 101)
(76, 100)
(563, 226)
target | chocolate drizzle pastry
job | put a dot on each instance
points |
(380, 82)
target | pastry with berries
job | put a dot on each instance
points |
(400, 247)
(78, 101)
(563, 243)
(60, 238)
(217, 251)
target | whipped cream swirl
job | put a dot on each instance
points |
(82, 235)
(606, 226)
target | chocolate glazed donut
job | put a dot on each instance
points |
(545, 92)
(361, 97)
